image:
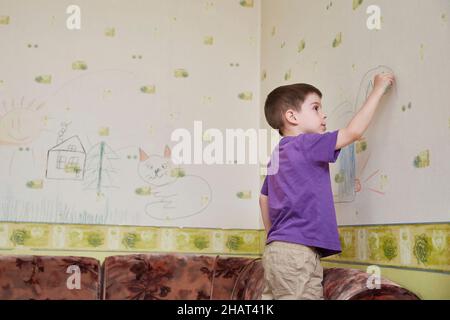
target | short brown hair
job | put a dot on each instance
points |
(284, 98)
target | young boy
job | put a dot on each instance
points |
(297, 202)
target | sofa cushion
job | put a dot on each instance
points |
(49, 277)
(158, 277)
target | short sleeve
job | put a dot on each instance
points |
(321, 147)
(265, 189)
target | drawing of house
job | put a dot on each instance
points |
(67, 160)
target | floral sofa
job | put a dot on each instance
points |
(164, 276)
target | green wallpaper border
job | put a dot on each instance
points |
(411, 246)
(424, 247)
(105, 238)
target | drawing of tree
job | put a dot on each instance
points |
(100, 171)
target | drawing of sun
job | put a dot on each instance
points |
(21, 123)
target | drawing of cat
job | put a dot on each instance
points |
(173, 194)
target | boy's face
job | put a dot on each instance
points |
(311, 118)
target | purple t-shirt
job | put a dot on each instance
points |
(301, 206)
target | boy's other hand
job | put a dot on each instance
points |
(383, 81)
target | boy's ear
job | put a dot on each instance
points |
(291, 116)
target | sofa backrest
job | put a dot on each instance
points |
(167, 276)
(49, 277)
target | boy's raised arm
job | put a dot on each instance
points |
(362, 119)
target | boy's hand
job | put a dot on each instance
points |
(383, 81)
(361, 120)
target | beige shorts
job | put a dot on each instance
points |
(291, 272)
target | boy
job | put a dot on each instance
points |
(297, 202)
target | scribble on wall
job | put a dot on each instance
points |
(173, 195)
(347, 182)
(66, 161)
